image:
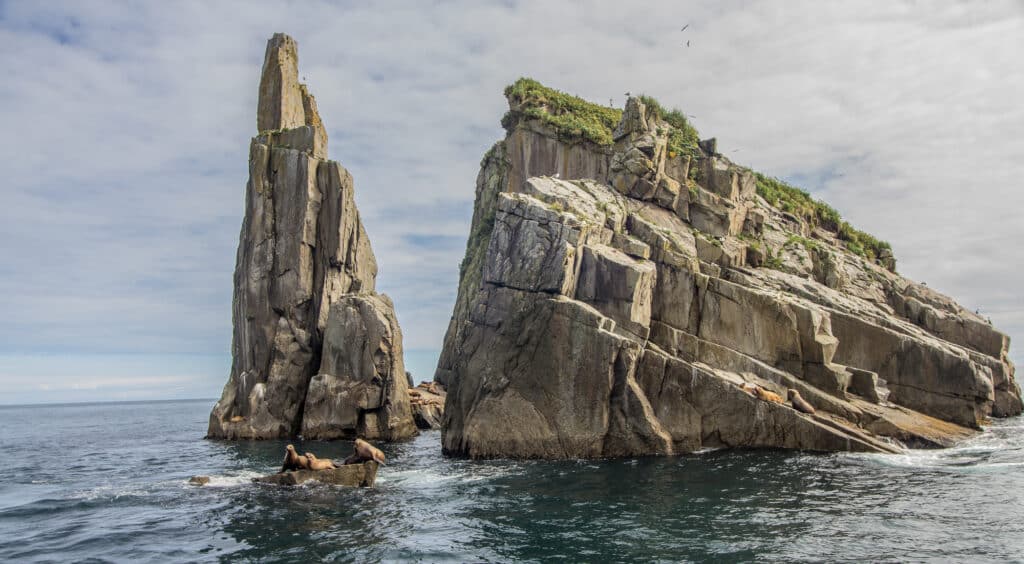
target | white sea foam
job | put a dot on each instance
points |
(234, 479)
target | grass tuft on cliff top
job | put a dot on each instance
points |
(683, 136)
(572, 117)
(799, 203)
(575, 119)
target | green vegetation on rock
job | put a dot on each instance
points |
(682, 136)
(818, 214)
(572, 117)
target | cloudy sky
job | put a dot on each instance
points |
(128, 124)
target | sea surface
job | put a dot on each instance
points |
(109, 482)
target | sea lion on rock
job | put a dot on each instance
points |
(365, 451)
(799, 403)
(293, 461)
(317, 464)
(749, 388)
(765, 395)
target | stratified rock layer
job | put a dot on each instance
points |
(615, 299)
(315, 349)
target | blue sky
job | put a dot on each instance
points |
(127, 128)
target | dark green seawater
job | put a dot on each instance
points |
(107, 482)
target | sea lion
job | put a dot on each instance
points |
(293, 461)
(199, 480)
(765, 395)
(237, 419)
(317, 464)
(430, 387)
(799, 403)
(365, 451)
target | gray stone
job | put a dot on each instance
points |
(303, 249)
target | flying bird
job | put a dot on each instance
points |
(687, 42)
(684, 27)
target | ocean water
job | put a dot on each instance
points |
(108, 482)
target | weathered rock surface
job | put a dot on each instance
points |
(315, 350)
(354, 475)
(428, 405)
(613, 300)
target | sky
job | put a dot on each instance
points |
(128, 125)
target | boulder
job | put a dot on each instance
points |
(361, 390)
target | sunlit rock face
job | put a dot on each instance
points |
(624, 286)
(316, 351)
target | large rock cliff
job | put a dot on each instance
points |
(623, 281)
(316, 351)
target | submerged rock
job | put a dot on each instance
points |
(355, 475)
(315, 349)
(615, 298)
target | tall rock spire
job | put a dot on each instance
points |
(316, 351)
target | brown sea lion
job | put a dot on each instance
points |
(430, 387)
(365, 451)
(293, 461)
(799, 403)
(317, 464)
(765, 395)
(237, 419)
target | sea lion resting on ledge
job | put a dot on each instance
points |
(317, 464)
(765, 395)
(293, 461)
(799, 403)
(761, 393)
(365, 451)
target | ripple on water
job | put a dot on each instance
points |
(955, 504)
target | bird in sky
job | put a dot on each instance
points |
(684, 27)
(687, 42)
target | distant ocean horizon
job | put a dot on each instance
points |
(108, 481)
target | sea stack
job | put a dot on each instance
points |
(623, 282)
(315, 350)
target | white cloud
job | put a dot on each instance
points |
(128, 126)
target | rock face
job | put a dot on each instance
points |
(315, 349)
(428, 405)
(615, 298)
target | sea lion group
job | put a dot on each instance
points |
(363, 452)
(795, 399)
(427, 393)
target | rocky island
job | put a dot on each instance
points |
(624, 284)
(316, 350)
